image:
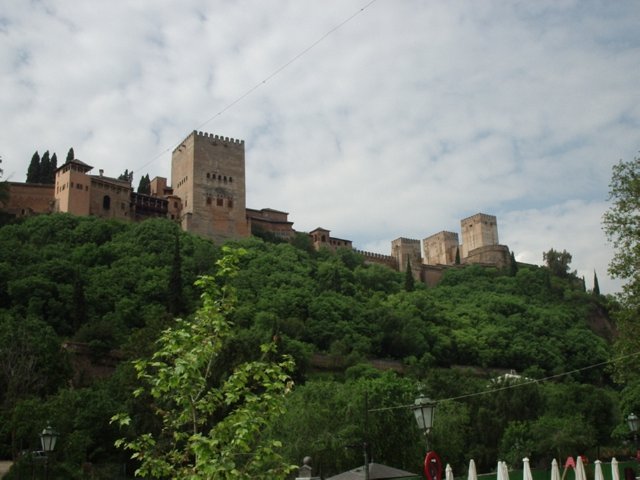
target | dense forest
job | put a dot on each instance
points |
(114, 287)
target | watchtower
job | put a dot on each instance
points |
(208, 175)
(441, 248)
(479, 230)
(73, 188)
(406, 250)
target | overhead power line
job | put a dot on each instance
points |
(270, 76)
(516, 384)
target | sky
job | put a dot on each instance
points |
(373, 119)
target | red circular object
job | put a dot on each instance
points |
(432, 466)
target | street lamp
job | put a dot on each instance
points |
(48, 439)
(634, 424)
(424, 410)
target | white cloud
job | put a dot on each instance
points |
(407, 118)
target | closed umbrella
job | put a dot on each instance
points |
(448, 472)
(615, 473)
(503, 471)
(473, 474)
(598, 471)
(580, 473)
(555, 470)
(500, 472)
(526, 470)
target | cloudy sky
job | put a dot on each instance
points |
(373, 119)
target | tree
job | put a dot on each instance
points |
(4, 188)
(513, 265)
(558, 262)
(33, 172)
(70, 155)
(621, 223)
(596, 285)
(145, 185)
(127, 176)
(51, 174)
(212, 424)
(409, 282)
(45, 168)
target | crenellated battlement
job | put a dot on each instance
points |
(211, 137)
(372, 257)
(218, 138)
(404, 240)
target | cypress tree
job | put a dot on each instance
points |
(513, 265)
(596, 285)
(409, 281)
(457, 261)
(145, 185)
(70, 155)
(33, 172)
(53, 166)
(45, 168)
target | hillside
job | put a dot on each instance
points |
(114, 286)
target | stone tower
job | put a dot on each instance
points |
(406, 250)
(440, 249)
(208, 175)
(73, 188)
(479, 230)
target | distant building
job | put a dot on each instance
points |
(207, 196)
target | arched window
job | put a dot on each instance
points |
(106, 202)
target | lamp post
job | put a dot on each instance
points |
(634, 424)
(48, 439)
(424, 410)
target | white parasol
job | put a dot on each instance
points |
(555, 470)
(448, 472)
(473, 473)
(580, 473)
(598, 470)
(526, 469)
(615, 472)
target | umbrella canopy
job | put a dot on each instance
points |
(598, 471)
(473, 473)
(615, 472)
(555, 470)
(526, 470)
(377, 471)
(580, 473)
(448, 473)
(503, 471)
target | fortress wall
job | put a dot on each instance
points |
(29, 199)
(496, 255)
(386, 260)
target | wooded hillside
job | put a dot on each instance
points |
(115, 286)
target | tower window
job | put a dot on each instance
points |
(106, 202)
(219, 202)
(230, 203)
(208, 200)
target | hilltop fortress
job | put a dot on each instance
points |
(207, 197)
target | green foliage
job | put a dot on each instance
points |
(212, 426)
(115, 287)
(144, 186)
(558, 262)
(621, 223)
(42, 170)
